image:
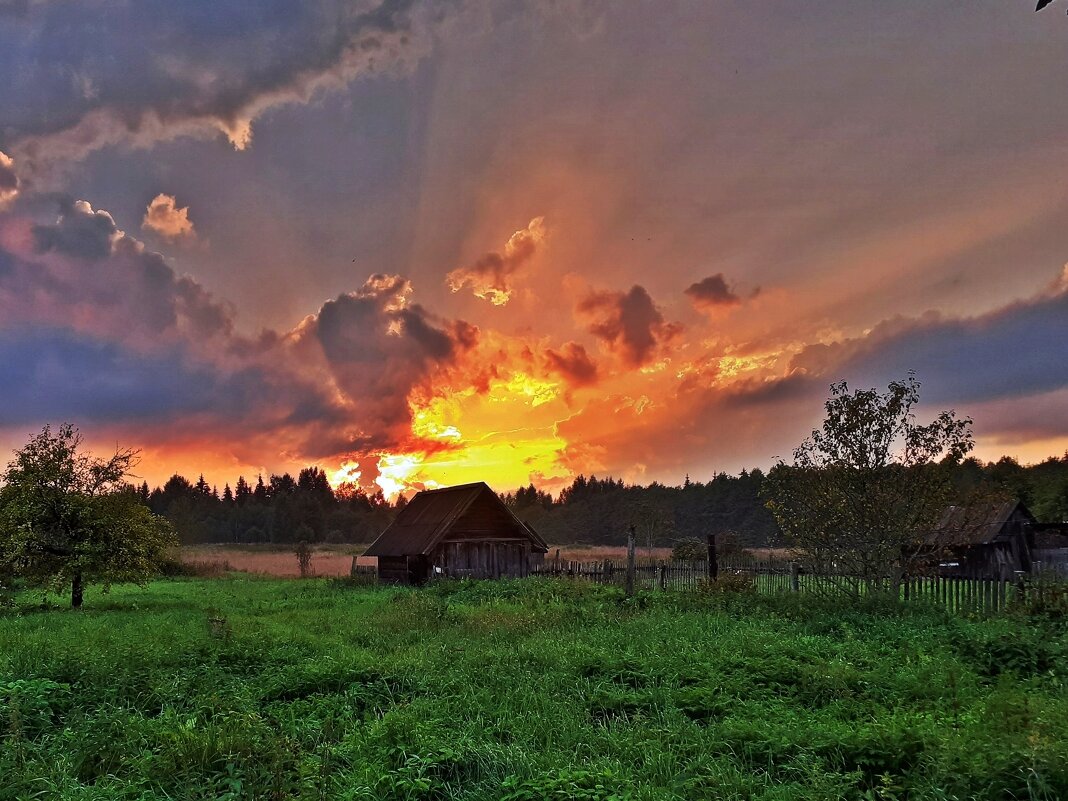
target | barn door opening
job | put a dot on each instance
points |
(418, 570)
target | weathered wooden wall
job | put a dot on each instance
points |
(482, 558)
(393, 569)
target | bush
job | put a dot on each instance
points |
(689, 550)
(728, 583)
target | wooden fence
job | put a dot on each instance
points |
(964, 594)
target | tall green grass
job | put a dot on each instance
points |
(262, 689)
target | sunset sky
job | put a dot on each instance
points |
(423, 243)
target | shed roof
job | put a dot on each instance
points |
(980, 524)
(429, 515)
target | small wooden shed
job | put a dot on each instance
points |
(987, 539)
(456, 531)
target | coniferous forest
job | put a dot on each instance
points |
(592, 510)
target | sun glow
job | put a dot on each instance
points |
(348, 473)
(432, 421)
(521, 385)
(397, 472)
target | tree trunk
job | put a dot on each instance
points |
(76, 591)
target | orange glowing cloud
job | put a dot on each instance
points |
(9, 181)
(490, 277)
(164, 216)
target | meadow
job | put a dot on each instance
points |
(331, 560)
(254, 688)
(275, 560)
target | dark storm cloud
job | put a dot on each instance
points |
(82, 270)
(379, 347)
(80, 232)
(85, 306)
(629, 323)
(712, 292)
(79, 76)
(573, 364)
(56, 374)
(51, 373)
(1018, 350)
(95, 328)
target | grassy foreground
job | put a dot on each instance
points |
(267, 689)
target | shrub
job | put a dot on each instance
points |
(689, 550)
(728, 583)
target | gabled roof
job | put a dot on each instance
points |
(430, 514)
(979, 524)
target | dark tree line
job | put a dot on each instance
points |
(281, 510)
(599, 511)
(591, 510)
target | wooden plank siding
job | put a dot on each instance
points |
(482, 558)
(463, 531)
(393, 569)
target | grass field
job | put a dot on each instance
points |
(276, 560)
(251, 688)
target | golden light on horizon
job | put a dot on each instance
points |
(398, 472)
(348, 473)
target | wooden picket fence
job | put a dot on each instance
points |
(963, 594)
(959, 594)
(363, 574)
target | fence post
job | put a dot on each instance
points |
(795, 578)
(556, 563)
(630, 562)
(663, 576)
(713, 563)
(352, 570)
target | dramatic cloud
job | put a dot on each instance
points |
(168, 220)
(81, 271)
(490, 276)
(9, 181)
(573, 364)
(712, 293)
(380, 347)
(629, 323)
(85, 75)
(1017, 350)
(84, 306)
(98, 330)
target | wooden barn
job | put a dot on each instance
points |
(456, 531)
(987, 540)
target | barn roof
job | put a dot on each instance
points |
(979, 524)
(427, 518)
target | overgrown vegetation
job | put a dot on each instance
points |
(261, 689)
(66, 517)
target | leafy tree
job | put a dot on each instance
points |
(67, 519)
(867, 490)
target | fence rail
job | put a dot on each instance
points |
(959, 594)
(964, 594)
